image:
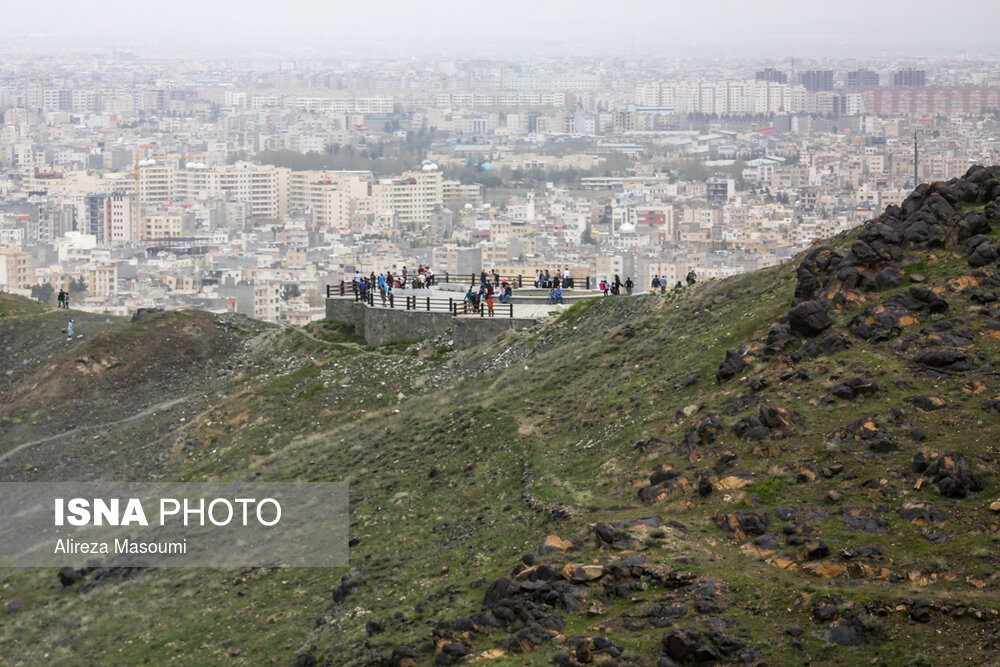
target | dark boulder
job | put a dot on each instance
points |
(777, 338)
(983, 254)
(750, 428)
(810, 318)
(854, 387)
(842, 634)
(919, 300)
(948, 358)
(68, 576)
(885, 279)
(733, 365)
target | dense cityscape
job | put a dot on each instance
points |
(249, 186)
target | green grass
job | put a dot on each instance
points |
(438, 485)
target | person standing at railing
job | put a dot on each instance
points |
(489, 302)
(403, 284)
(538, 278)
(566, 280)
(430, 276)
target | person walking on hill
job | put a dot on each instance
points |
(616, 287)
(69, 330)
(61, 299)
(629, 285)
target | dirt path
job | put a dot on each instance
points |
(159, 407)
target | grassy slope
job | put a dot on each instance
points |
(438, 483)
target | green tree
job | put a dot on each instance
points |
(42, 292)
(290, 291)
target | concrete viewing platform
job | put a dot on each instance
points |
(413, 314)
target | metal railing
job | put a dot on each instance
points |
(347, 287)
(483, 309)
(375, 298)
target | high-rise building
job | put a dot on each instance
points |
(862, 78)
(771, 74)
(265, 187)
(909, 78)
(96, 217)
(817, 80)
(157, 182)
(412, 198)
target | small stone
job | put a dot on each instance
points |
(917, 277)
(580, 573)
(833, 496)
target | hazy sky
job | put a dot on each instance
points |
(768, 28)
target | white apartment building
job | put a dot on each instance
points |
(157, 181)
(724, 98)
(332, 197)
(412, 197)
(264, 187)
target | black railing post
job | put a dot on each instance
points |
(428, 304)
(391, 300)
(519, 281)
(451, 305)
(511, 310)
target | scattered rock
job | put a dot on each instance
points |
(554, 543)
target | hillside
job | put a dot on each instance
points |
(791, 466)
